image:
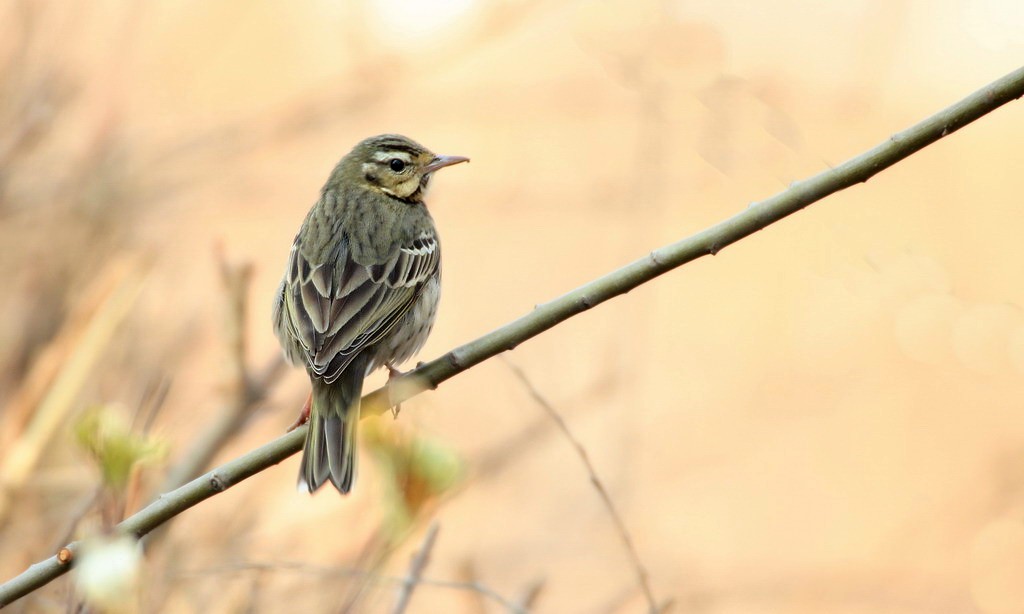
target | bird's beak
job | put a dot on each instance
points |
(443, 161)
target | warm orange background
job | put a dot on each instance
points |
(826, 417)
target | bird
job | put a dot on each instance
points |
(360, 291)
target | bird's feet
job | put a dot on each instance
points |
(392, 374)
(304, 414)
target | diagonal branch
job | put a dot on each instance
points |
(707, 242)
(416, 567)
(642, 577)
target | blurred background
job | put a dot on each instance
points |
(826, 417)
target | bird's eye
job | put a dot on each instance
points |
(397, 165)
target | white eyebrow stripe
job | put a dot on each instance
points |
(383, 156)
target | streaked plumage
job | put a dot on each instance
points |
(360, 290)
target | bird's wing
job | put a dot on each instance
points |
(338, 307)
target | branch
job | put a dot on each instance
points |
(69, 361)
(707, 242)
(416, 567)
(642, 577)
(245, 388)
(473, 586)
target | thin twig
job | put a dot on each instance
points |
(306, 569)
(643, 579)
(120, 286)
(152, 401)
(530, 594)
(416, 567)
(493, 460)
(246, 390)
(77, 515)
(475, 603)
(707, 242)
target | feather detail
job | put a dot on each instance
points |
(330, 450)
(338, 307)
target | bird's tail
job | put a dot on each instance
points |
(330, 451)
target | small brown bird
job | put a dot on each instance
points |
(360, 291)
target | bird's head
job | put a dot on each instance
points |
(394, 165)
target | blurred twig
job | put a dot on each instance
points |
(69, 362)
(229, 420)
(306, 569)
(416, 567)
(152, 401)
(475, 603)
(77, 515)
(620, 526)
(494, 459)
(529, 595)
(707, 242)
(245, 388)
